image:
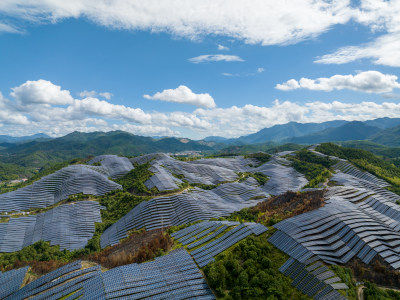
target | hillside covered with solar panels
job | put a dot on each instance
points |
(322, 222)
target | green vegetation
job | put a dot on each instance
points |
(346, 277)
(268, 147)
(384, 152)
(133, 181)
(37, 154)
(372, 292)
(39, 252)
(260, 177)
(315, 168)
(118, 204)
(249, 270)
(366, 161)
(9, 171)
(260, 156)
(47, 169)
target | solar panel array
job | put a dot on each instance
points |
(173, 276)
(187, 207)
(58, 186)
(236, 164)
(282, 177)
(162, 179)
(346, 167)
(207, 237)
(70, 225)
(116, 166)
(313, 279)
(338, 232)
(65, 281)
(193, 171)
(11, 281)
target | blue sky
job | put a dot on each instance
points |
(84, 65)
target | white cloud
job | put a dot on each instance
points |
(220, 47)
(91, 114)
(41, 91)
(383, 51)
(8, 29)
(244, 74)
(183, 94)
(391, 96)
(214, 57)
(236, 121)
(106, 95)
(94, 106)
(380, 16)
(256, 21)
(368, 82)
(86, 93)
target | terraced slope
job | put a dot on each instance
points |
(11, 281)
(57, 284)
(313, 279)
(115, 166)
(282, 177)
(193, 172)
(338, 232)
(58, 186)
(187, 207)
(69, 226)
(173, 276)
(200, 234)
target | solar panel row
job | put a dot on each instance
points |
(214, 237)
(11, 281)
(314, 280)
(115, 166)
(190, 206)
(70, 226)
(338, 232)
(58, 186)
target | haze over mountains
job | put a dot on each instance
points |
(309, 133)
(35, 150)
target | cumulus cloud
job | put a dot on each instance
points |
(183, 94)
(236, 121)
(368, 82)
(91, 114)
(41, 91)
(220, 47)
(391, 96)
(214, 57)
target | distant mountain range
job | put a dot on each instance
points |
(19, 139)
(382, 131)
(77, 144)
(37, 150)
(347, 132)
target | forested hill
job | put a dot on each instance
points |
(77, 144)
